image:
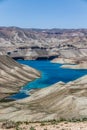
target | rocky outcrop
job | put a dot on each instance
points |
(13, 76)
(60, 101)
(64, 60)
(77, 66)
(72, 63)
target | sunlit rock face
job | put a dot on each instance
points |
(13, 76)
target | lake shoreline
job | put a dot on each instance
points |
(72, 63)
(47, 78)
(47, 103)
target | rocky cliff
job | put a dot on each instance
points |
(13, 76)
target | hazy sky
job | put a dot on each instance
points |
(44, 13)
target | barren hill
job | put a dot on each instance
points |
(60, 102)
(13, 76)
(43, 43)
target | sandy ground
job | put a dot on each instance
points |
(50, 126)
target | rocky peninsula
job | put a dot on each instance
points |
(72, 63)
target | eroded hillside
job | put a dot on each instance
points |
(43, 43)
(13, 76)
(60, 102)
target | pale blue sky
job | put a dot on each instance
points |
(44, 13)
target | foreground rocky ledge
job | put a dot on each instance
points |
(60, 102)
(13, 76)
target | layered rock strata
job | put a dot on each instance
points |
(13, 76)
(43, 43)
(60, 102)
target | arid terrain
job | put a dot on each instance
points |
(59, 102)
(20, 43)
(13, 76)
(43, 43)
(52, 125)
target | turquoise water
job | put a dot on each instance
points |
(50, 73)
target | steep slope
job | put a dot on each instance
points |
(13, 76)
(60, 101)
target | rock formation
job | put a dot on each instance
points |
(13, 76)
(72, 63)
(43, 43)
(64, 60)
(60, 101)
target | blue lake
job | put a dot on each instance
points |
(50, 73)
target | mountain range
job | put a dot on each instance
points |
(43, 43)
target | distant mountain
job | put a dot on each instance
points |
(31, 43)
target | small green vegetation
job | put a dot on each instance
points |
(32, 128)
(18, 126)
(54, 122)
(8, 125)
(62, 119)
(42, 124)
(27, 123)
(11, 124)
(84, 119)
